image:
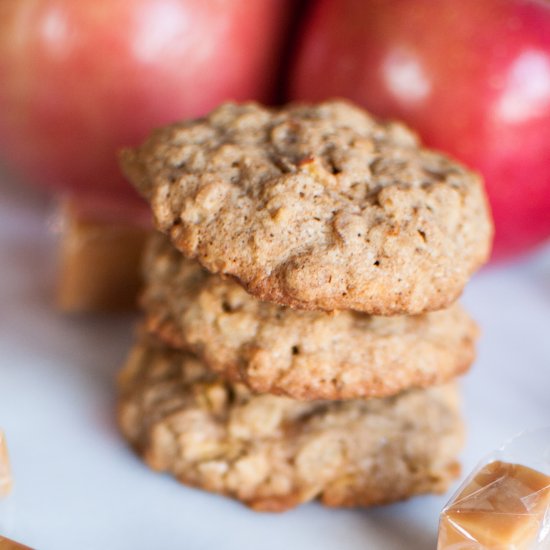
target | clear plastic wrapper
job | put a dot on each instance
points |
(505, 503)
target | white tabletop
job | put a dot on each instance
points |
(77, 485)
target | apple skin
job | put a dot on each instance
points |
(80, 79)
(471, 76)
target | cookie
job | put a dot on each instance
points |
(301, 354)
(316, 206)
(273, 453)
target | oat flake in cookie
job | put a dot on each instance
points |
(273, 453)
(301, 354)
(316, 206)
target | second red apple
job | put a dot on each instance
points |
(472, 77)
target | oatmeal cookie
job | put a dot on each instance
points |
(316, 206)
(273, 453)
(301, 354)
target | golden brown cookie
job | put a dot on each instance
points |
(301, 354)
(273, 453)
(316, 206)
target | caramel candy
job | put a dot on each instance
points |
(8, 544)
(504, 506)
(5, 470)
(100, 258)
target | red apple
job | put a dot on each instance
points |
(471, 76)
(81, 78)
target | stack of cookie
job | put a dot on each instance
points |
(301, 333)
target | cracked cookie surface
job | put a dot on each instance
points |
(273, 453)
(316, 206)
(301, 354)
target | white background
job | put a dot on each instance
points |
(77, 485)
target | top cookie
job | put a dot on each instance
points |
(316, 206)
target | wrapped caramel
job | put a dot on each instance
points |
(5, 469)
(505, 503)
(8, 544)
(100, 257)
